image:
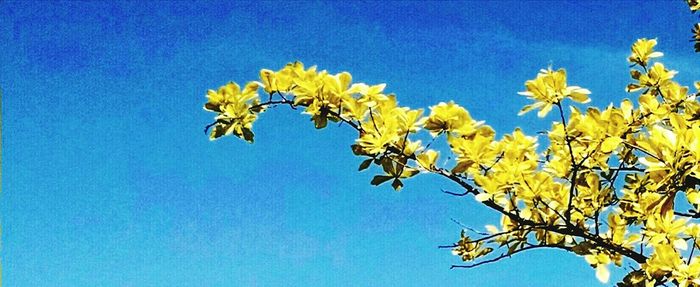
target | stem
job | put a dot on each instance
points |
(572, 190)
(692, 249)
(371, 115)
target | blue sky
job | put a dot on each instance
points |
(109, 180)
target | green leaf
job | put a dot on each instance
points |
(257, 109)
(513, 247)
(667, 206)
(635, 74)
(217, 132)
(484, 252)
(388, 166)
(357, 149)
(583, 248)
(320, 121)
(633, 279)
(462, 166)
(247, 135)
(397, 184)
(379, 179)
(212, 107)
(633, 87)
(365, 164)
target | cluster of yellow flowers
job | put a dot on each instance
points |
(468, 249)
(565, 195)
(549, 89)
(237, 110)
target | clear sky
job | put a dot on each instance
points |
(108, 179)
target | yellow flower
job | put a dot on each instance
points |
(663, 229)
(664, 260)
(370, 95)
(475, 151)
(282, 80)
(658, 76)
(469, 250)
(674, 93)
(600, 262)
(643, 50)
(548, 89)
(451, 118)
(427, 159)
(687, 274)
(235, 110)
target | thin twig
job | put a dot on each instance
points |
(507, 255)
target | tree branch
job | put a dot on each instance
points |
(508, 255)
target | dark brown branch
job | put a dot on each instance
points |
(371, 115)
(566, 132)
(454, 193)
(567, 213)
(644, 151)
(689, 215)
(692, 249)
(498, 158)
(565, 230)
(572, 188)
(621, 168)
(508, 255)
(271, 102)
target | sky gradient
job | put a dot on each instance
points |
(108, 179)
